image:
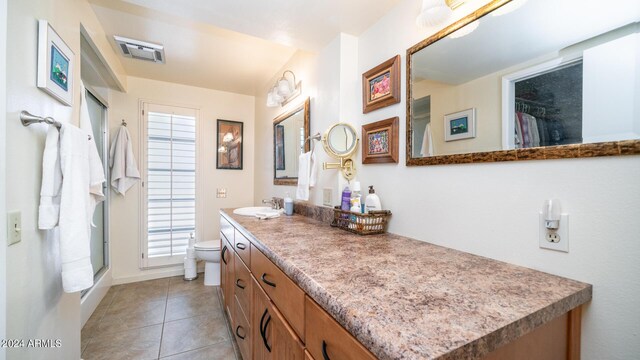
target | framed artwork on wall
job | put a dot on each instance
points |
(55, 64)
(229, 145)
(460, 125)
(380, 142)
(381, 85)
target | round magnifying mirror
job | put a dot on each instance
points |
(340, 141)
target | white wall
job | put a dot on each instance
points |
(491, 209)
(37, 308)
(329, 78)
(3, 212)
(212, 105)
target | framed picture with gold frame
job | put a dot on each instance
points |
(381, 85)
(380, 142)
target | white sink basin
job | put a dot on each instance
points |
(253, 210)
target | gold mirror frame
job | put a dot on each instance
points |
(307, 117)
(611, 148)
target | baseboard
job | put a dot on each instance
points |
(169, 272)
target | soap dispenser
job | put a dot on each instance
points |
(372, 202)
(288, 205)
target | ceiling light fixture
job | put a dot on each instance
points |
(284, 90)
(436, 12)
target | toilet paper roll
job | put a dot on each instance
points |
(190, 273)
(191, 253)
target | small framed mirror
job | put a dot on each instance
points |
(340, 141)
(290, 132)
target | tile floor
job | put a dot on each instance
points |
(159, 319)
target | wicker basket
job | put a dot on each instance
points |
(374, 222)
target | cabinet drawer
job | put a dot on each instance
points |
(243, 248)
(284, 293)
(325, 338)
(242, 286)
(242, 332)
(226, 229)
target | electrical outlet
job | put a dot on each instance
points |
(558, 239)
(14, 227)
(327, 197)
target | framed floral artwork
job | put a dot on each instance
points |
(380, 142)
(381, 85)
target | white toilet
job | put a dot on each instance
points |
(209, 251)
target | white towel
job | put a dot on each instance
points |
(306, 175)
(49, 210)
(76, 209)
(427, 142)
(124, 169)
(96, 168)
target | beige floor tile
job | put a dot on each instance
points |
(192, 305)
(192, 333)
(138, 296)
(180, 287)
(149, 313)
(221, 351)
(142, 343)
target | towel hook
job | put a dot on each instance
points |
(315, 137)
(124, 123)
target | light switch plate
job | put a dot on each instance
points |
(14, 227)
(221, 192)
(557, 240)
(327, 197)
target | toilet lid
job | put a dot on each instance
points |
(208, 245)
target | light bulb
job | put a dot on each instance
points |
(284, 88)
(433, 12)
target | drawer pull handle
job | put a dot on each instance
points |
(324, 351)
(267, 281)
(237, 333)
(241, 246)
(263, 329)
(224, 250)
(238, 284)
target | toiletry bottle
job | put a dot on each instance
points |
(356, 198)
(372, 202)
(288, 205)
(346, 199)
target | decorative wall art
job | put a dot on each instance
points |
(460, 125)
(55, 64)
(229, 145)
(381, 85)
(380, 142)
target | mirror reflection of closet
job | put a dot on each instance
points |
(289, 133)
(531, 91)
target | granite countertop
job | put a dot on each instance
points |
(407, 299)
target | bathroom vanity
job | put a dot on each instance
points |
(296, 288)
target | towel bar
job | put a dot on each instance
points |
(28, 119)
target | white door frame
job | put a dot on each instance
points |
(3, 154)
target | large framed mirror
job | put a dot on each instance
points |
(290, 133)
(516, 80)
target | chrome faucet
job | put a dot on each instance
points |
(275, 204)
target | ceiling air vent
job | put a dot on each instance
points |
(140, 50)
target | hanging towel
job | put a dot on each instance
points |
(76, 209)
(427, 142)
(96, 168)
(124, 169)
(306, 175)
(49, 209)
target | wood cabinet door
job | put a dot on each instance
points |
(242, 332)
(224, 256)
(229, 275)
(273, 336)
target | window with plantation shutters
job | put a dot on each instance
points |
(170, 183)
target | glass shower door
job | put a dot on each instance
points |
(97, 114)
